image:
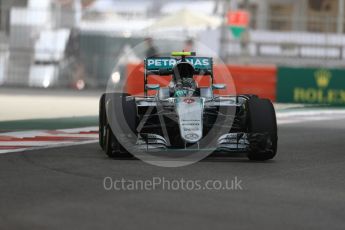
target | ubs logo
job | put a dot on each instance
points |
(192, 136)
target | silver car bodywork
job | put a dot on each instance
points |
(188, 112)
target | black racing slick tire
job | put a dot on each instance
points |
(110, 143)
(262, 129)
(116, 133)
(102, 117)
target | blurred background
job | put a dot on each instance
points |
(76, 43)
(290, 51)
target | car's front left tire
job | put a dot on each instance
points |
(262, 129)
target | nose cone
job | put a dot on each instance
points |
(189, 111)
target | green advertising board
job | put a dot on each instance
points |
(311, 85)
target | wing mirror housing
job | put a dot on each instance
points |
(218, 86)
(152, 87)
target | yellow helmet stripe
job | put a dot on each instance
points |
(174, 54)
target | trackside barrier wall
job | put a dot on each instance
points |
(311, 85)
(260, 80)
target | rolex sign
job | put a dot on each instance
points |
(311, 85)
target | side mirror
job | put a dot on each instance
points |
(152, 87)
(218, 86)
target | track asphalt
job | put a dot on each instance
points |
(62, 188)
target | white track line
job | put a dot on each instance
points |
(34, 133)
(57, 145)
(76, 139)
(291, 117)
(281, 114)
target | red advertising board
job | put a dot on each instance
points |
(238, 18)
(260, 80)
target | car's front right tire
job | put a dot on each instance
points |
(109, 141)
(102, 117)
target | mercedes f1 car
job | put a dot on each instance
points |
(185, 116)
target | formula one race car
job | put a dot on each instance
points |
(185, 116)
